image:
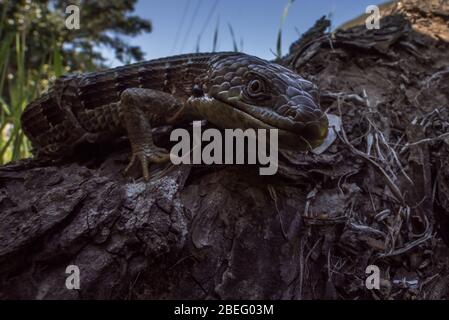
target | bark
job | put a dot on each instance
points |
(376, 196)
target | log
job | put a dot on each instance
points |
(376, 196)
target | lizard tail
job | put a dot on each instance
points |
(46, 125)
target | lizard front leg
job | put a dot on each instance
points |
(140, 108)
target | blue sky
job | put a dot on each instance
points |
(255, 23)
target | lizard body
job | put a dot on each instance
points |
(231, 90)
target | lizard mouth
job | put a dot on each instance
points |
(303, 135)
(292, 134)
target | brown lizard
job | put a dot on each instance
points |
(229, 89)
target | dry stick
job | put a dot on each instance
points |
(407, 247)
(392, 235)
(344, 139)
(367, 229)
(396, 230)
(273, 196)
(427, 234)
(301, 268)
(428, 280)
(387, 145)
(305, 265)
(428, 224)
(434, 76)
(348, 96)
(358, 99)
(426, 140)
(394, 188)
(424, 123)
(396, 159)
(381, 215)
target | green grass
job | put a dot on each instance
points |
(12, 142)
(215, 39)
(234, 41)
(18, 86)
(279, 37)
(238, 47)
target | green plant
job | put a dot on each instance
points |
(18, 86)
(279, 37)
(235, 47)
(234, 42)
(36, 47)
(215, 40)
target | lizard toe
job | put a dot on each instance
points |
(147, 157)
(159, 156)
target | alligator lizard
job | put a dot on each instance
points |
(230, 90)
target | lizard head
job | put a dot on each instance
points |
(254, 93)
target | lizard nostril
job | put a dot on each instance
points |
(197, 91)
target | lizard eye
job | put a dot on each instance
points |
(255, 86)
(256, 89)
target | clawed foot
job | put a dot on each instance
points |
(147, 156)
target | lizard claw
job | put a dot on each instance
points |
(145, 157)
